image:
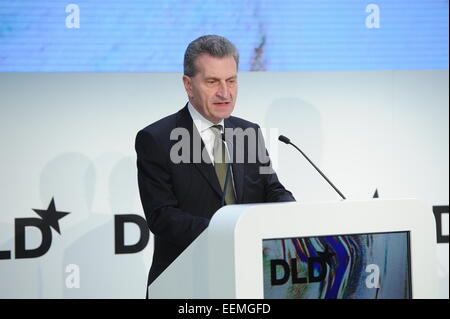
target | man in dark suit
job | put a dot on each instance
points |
(188, 163)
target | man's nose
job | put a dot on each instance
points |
(223, 91)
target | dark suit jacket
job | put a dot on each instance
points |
(180, 199)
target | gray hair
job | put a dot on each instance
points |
(213, 45)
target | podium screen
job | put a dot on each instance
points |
(356, 266)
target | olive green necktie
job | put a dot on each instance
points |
(221, 159)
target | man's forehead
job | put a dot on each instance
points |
(216, 67)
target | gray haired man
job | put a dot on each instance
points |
(180, 198)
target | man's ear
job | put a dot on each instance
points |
(187, 81)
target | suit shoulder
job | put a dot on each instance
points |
(165, 124)
(157, 133)
(240, 122)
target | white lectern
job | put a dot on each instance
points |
(348, 249)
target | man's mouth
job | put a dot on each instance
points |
(222, 103)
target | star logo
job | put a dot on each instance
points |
(375, 195)
(51, 216)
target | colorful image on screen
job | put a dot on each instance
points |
(357, 266)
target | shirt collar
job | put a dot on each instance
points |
(201, 123)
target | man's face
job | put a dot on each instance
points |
(212, 91)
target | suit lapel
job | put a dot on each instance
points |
(184, 120)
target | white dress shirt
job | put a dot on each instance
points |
(204, 129)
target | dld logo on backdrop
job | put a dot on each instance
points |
(119, 231)
(50, 218)
(439, 212)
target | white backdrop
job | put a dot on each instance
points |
(71, 137)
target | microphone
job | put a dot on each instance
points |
(285, 140)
